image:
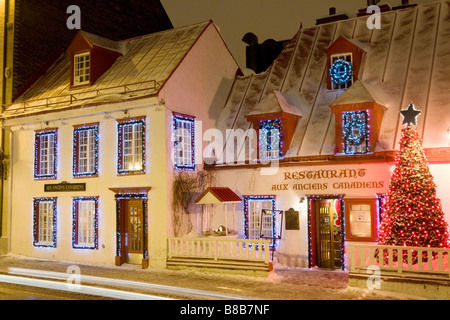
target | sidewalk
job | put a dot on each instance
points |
(281, 284)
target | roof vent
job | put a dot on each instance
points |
(383, 8)
(405, 4)
(332, 17)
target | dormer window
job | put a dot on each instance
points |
(270, 139)
(344, 62)
(356, 133)
(341, 71)
(358, 113)
(81, 68)
(275, 119)
(91, 56)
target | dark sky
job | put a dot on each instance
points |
(275, 19)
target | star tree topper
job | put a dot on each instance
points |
(410, 115)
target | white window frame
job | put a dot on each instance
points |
(45, 155)
(46, 223)
(86, 151)
(86, 223)
(347, 57)
(274, 135)
(132, 147)
(184, 145)
(254, 210)
(82, 68)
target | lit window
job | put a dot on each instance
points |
(356, 133)
(85, 223)
(45, 155)
(269, 139)
(257, 207)
(85, 151)
(131, 146)
(81, 68)
(341, 71)
(44, 222)
(184, 147)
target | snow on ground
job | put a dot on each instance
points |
(282, 283)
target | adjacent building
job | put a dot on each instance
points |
(322, 125)
(33, 34)
(97, 139)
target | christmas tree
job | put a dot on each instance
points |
(413, 213)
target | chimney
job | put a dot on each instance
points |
(332, 17)
(405, 4)
(383, 8)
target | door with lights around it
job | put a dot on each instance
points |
(326, 236)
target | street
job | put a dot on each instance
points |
(280, 284)
(19, 292)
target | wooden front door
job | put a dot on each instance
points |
(328, 235)
(131, 233)
(134, 231)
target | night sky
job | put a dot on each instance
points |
(275, 19)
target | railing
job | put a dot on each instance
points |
(219, 249)
(400, 259)
(79, 97)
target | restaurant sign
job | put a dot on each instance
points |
(327, 179)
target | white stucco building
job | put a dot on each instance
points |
(93, 141)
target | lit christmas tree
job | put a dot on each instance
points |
(413, 214)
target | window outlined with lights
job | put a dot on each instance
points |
(131, 146)
(270, 139)
(44, 222)
(45, 150)
(184, 142)
(85, 150)
(85, 223)
(253, 209)
(355, 132)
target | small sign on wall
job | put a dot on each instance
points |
(292, 220)
(65, 187)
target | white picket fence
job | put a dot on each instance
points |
(219, 249)
(364, 256)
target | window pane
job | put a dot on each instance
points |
(45, 235)
(183, 142)
(86, 150)
(86, 223)
(360, 220)
(81, 68)
(132, 146)
(46, 157)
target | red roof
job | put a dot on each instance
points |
(222, 194)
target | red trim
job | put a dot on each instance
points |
(124, 120)
(312, 233)
(373, 217)
(188, 116)
(87, 125)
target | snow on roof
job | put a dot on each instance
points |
(358, 93)
(276, 102)
(146, 64)
(405, 61)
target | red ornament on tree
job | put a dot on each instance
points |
(413, 213)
